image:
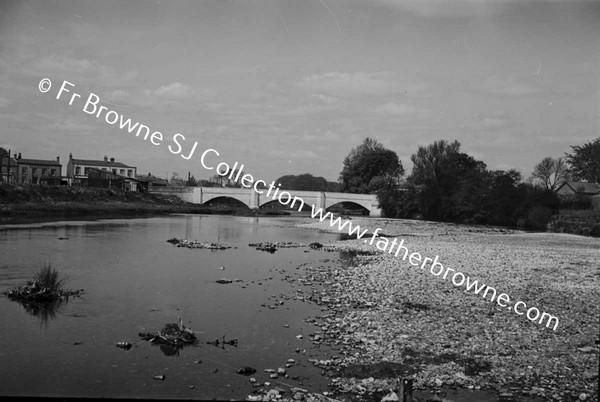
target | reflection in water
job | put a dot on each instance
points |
(170, 350)
(44, 311)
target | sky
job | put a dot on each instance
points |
(290, 87)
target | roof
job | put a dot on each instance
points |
(4, 161)
(102, 162)
(38, 162)
(579, 186)
(110, 173)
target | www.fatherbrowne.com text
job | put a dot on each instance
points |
(92, 106)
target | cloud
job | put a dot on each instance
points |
(175, 90)
(343, 85)
(489, 121)
(401, 110)
(78, 71)
(71, 125)
(4, 102)
(506, 87)
(448, 8)
(320, 137)
(117, 94)
(293, 155)
(325, 99)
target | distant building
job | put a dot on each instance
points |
(596, 202)
(150, 181)
(38, 171)
(177, 182)
(80, 171)
(571, 188)
(8, 169)
(31, 171)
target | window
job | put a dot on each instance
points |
(114, 171)
(44, 171)
(24, 170)
(52, 172)
(122, 172)
(129, 172)
(77, 169)
(86, 170)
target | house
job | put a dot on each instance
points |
(78, 172)
(38, 171)
(571, 188)
(177, 182)
(150, 181)
(596, 202)
(8, 169)
(107, 179)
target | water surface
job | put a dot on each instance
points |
(135, 281)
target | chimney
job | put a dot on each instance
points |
(112, 160)
(105, 158)
(58, 159)
(70, 155)
(19, 156)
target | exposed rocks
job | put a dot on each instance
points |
(246, 371)
(124, 345)
(196, 244)
(271, 247)
(175, 335)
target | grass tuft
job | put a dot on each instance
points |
(50, 278)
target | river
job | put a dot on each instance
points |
(134, 281)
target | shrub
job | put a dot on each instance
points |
(538, 217)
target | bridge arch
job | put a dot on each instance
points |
(226, 200)
(254, 200)
(348, 206)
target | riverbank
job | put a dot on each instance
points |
(392, 319)
(28, 203)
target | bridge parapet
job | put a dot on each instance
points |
(253, 199)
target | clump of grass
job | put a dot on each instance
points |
(50, 278)
(47, 286)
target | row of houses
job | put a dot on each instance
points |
(79, 172)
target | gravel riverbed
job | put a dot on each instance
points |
(389, 319)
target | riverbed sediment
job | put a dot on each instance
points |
(386, 312)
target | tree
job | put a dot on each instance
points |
(368, 167)
(551, 172)
(585, 161)
(505, 195)
(191, 181)
(303, 182)
(430, 174)
(3, 153)
(428, 160)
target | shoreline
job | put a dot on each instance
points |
(389, 316)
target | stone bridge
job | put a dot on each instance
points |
(254, 200)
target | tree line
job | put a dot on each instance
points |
(448, 185)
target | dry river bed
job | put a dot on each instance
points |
(389, 319)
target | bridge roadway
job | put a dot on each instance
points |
(254, 200)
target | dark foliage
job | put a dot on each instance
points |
(585, 161)
(303, 182)
(451, 186)
(370, 167)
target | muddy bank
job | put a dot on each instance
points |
(391, 319)
(29, 203)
